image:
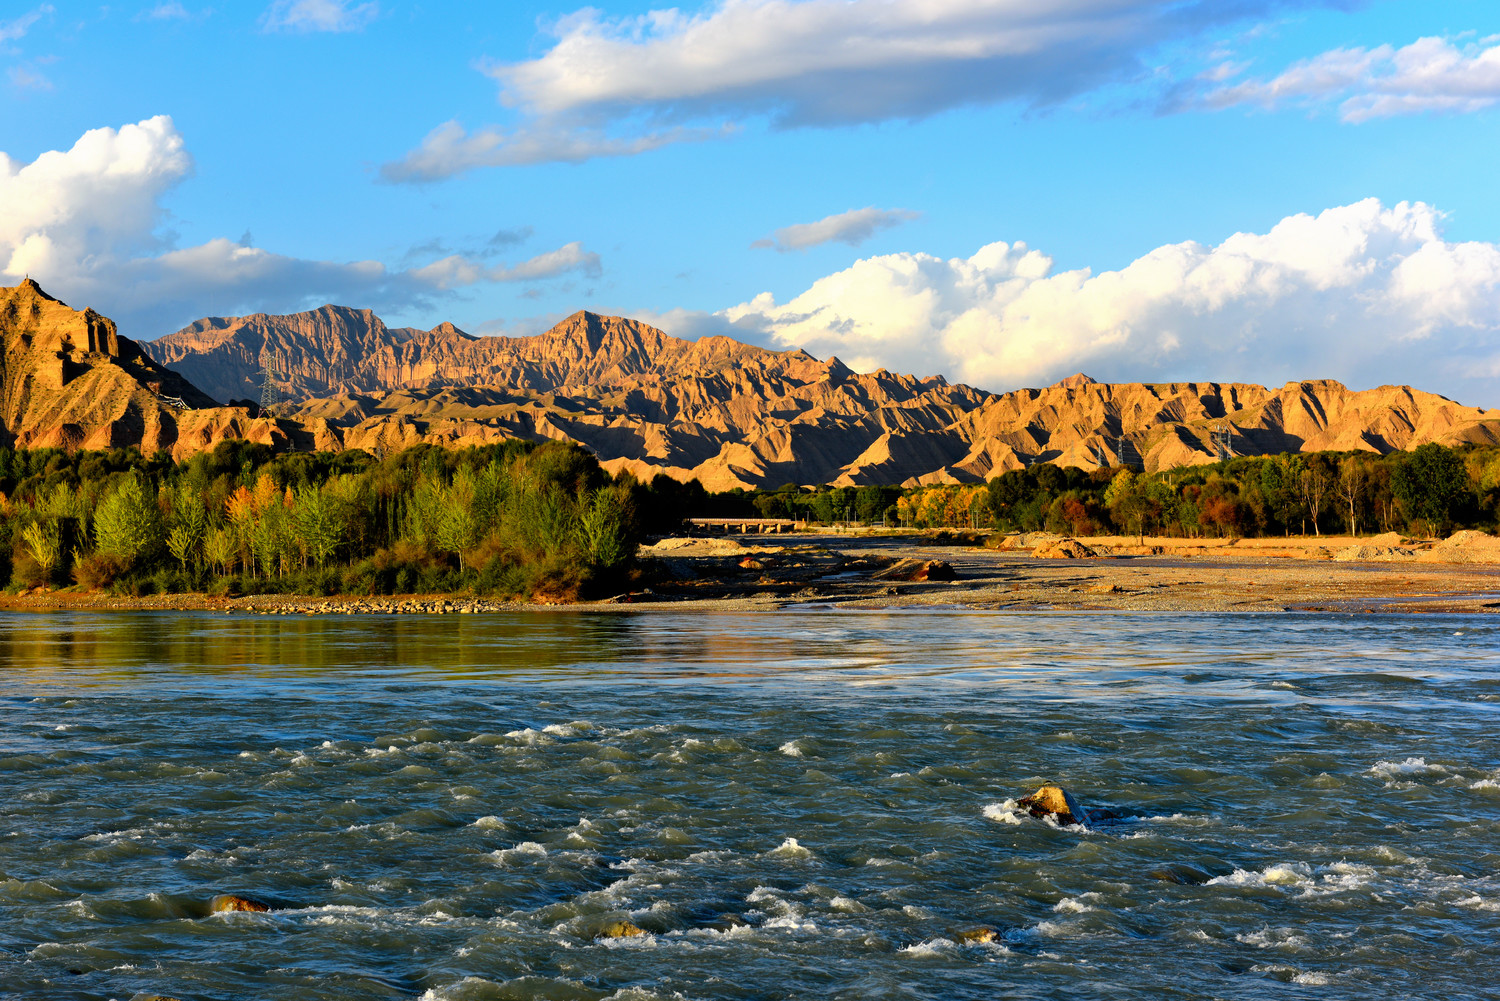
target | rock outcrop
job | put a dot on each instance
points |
(69, 380)
(732, 414)
(726, 413)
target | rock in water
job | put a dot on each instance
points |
(230, 902)
(977, 936)
(1182, 873)
(1055, 801)
(620, 929)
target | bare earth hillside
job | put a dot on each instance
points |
(728, 413)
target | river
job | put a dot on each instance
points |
(804, 804)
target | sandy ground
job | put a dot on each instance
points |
(832, 570)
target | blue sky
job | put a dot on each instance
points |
(848, 176)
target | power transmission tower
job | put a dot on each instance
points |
(270, 397)
(1221, 437)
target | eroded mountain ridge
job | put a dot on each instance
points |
(728, 413)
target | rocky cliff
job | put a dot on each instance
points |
(728, 413)
(69, 380)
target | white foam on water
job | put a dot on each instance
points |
(931, 947)
(465, 988)
(1274, 938)
(569, 729)
(692, 743)
(1075, 905)
(530, 737)
(526, 848)
(1478, 903)
(920, 913)
(790, 849)
(1280, 874)
(1005, 812)
(489, 821)
(1409, 767)
(1485, 784)
(846, 905)
(791, 750)
(1312, 979)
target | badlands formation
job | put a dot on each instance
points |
(727, 413)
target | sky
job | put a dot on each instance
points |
(1003, 192)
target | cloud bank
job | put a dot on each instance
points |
(87, 224)
(1429, 75)
(1363, 293)
(611, 86)
(853, 228)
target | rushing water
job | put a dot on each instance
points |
(795, 805)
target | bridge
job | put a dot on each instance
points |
(747, 526)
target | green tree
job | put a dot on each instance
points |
(127, 523)
(190, 526)
(44, 543)
(318, 518)
(1431, 484)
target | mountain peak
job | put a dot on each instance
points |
(1077, 380)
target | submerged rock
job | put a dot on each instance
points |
(620, 929)
(1182, 873)
(231, 902)
(977, 936)
(1055, 801)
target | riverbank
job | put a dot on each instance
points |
(854, 571)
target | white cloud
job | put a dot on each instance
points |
(86, 223)
(173, 11)
(318, 15)
(1362, 293)
(23, 78)
(853, 227)
(813, 63)
(457, 270)
(449, 149)
(1429, 75)
(14, 30)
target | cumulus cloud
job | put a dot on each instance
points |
(1429, 75)
(809, 63)
(853, 227)
(1363, 293)
(88, 225)
(318, 15)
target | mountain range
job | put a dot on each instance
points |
(728, 413)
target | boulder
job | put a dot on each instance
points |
(977, 936)
(231, 902)
(620, 929)
(1056, 802)
(1064, 549)
(917, 570)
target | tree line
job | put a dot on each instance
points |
(545, 521)
(514, 519)
(1429, 491)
